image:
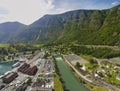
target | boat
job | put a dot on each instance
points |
(16, 65)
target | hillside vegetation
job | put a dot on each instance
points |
(80, 26)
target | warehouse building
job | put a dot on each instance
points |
(9, 77)
(26, 69)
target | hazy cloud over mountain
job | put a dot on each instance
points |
(27, 11)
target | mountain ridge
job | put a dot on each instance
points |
(79, 26)
(8, 30)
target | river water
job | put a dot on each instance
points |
(4, 67)
(70, 82)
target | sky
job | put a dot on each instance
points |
(28, 11)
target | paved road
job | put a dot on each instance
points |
(90, 81)
(41, 67)
(29, 88)
(83, 77)
(21, 77)
(103, 46)
(39, 55)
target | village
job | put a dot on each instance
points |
(29, 73)
(35, 71)
(102, 73)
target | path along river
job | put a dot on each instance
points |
(70, 82)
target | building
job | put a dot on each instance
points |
(103, 63)
(118, 77)
(84, 68)
(41, 89)
(26, 69)
(9, 77)
(32, 70)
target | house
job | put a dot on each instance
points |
(103, 63)
(96, 75)
(84, 68)
(118, 77)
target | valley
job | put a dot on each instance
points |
(87, 71)
(69, 51)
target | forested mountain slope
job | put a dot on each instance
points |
(9, 29)
(79, 26)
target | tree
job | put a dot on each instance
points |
(29, 80)
(92, 61)
(77, 64)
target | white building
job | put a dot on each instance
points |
(84, 68)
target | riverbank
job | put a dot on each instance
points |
(2, 62)
(57, 83)
(6, 66)
(92, 85)
(69, 81)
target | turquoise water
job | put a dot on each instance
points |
(4, 67)
(71, 83)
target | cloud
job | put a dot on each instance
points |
(25, 11)
(3, 11)
(1, 18)
(115, 3)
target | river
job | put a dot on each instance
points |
(70, 82)
(4, 67)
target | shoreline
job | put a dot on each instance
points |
(6, 62)
(2, 62)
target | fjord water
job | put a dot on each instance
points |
(4, 67)
(70, 82)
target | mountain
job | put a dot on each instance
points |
(79, 26)
(99, 27)
(43, 30)
(9, 30)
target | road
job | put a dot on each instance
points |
(29, 88)
(39, 55)
(86, 79)
(83, 77)
(102, 46)
(21, 77)
(42, 68)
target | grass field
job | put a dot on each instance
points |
(4, 45)
(87, 57)
(57, 83)
(95, 88)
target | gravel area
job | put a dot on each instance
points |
(75, 58)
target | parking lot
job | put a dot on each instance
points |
(44, 77)
(75, 58)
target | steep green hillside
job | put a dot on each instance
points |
(9, 30)
(83, 29)
(100, 27)
(72, 26)
(109, 33)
